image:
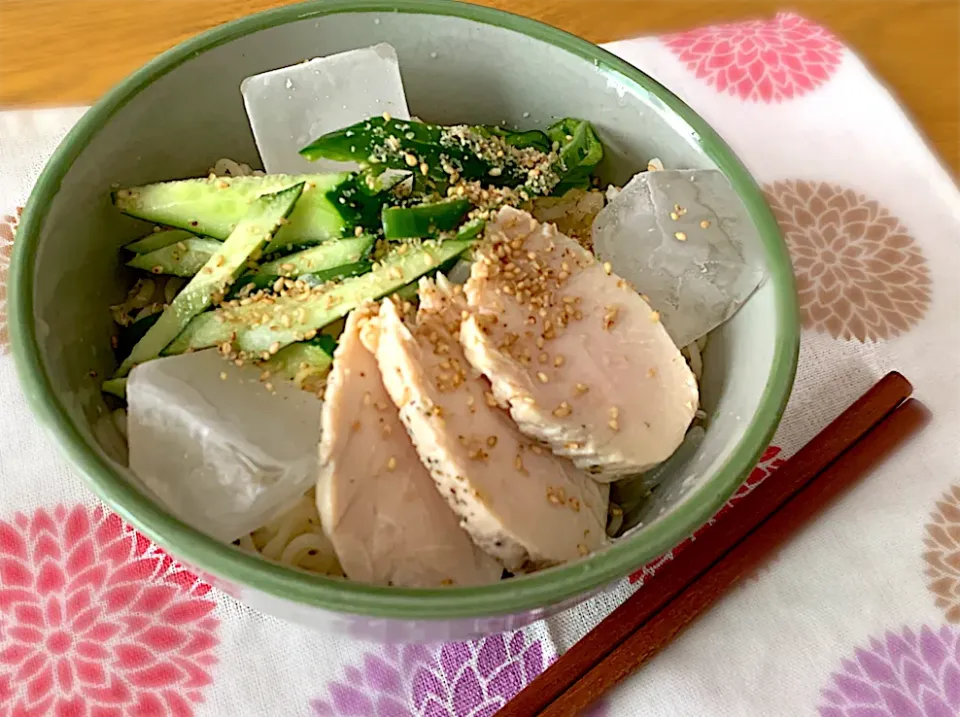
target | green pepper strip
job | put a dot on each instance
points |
(423, 220)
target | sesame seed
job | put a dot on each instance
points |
(558, 361)
(274, 347)
(535, 449)
(424, 168)
(614, 412)
(358, 231)
(542, 377)
(552, 498)
(491, 441)
(268, 386)
(575, 504)
(582, 549)
(391, 463)
(411, 160)
(608, 267)
(582, 388)
(651, 372)
(705, 224)
(681, 236)
(563, 410)
(614, 425)
(674, 216)
(654, 316)
(386, 116)
(223, 375)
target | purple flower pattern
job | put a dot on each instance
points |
(903, 674)
(460, 679)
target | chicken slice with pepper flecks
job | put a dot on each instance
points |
(578, 355)
(377, 503)
(519, 502)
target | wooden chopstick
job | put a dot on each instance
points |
(672, 578)
(663, 627)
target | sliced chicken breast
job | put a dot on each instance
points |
(377, 503)
(578, 356)
(519, 502)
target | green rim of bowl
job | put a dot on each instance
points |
(513, 596)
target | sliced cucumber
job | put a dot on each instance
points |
(264, 217)
(158, 240)
(316, 278)
(328, 255)
(115, 387)
(130, 335)
(262, 326)
(214, 207)
(185, 258)
(305, 363)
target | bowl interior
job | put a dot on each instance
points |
(179, 115)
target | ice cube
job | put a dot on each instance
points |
(220, 450)
(684, 239)
(290, 107)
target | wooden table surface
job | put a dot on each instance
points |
(59, 52)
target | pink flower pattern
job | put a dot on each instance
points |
(460, 679)
(902, 674)
(760, 61)
(96, 621)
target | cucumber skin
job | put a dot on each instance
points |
(206, 331)
(201, 206)
(264, 219)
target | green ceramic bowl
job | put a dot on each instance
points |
(182, 111)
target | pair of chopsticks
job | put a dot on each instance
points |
(739, 542)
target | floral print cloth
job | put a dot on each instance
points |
(857, 617)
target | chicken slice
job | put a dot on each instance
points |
(519, 502)
(580, 358)
(377, 503)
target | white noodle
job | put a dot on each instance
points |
(226, 167)
(311, 551)
(295, 538)
(120, 421)
(692, 352)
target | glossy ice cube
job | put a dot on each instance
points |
(219, 449)
(290, 107)
(684, 239)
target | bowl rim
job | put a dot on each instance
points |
(520, 594)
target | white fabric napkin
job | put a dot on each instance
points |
(857, 616)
